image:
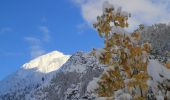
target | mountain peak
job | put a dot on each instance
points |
(32, 74)
(48, 62)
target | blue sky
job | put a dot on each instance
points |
(29, 28)
(32, 27)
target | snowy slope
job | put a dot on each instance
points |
(156, 70)
(32, 74)
(72, 80)
(49, 78)
(159, 36)
(47, 63)
(77, 79)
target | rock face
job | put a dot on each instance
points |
(72, 79)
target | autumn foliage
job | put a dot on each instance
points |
(126, 58)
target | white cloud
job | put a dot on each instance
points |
(143, 11)
(45, 31)
(81, 28)
(35, 46)
(5, 29)
(36, 51)
(33, 40)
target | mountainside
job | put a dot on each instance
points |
(71, 81)
(159, 37)
(31, 75)
(56, 76)
(77, 79)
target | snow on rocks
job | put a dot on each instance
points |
(118, 29)
(124, 96)
(93, 85)
(160, 80)
(157, 71)
(71, 83)
(99, 52)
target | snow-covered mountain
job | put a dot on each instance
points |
(74, 80)
(35, 81)
(56, 76)
(31, 75)
(159, 37)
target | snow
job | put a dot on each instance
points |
(78, 62)
(47, 63)
(124, 96)
(120, 95)
(160, 75)
(106, 4)
(70, 83)
(76, 68)
(118, 29)
(93, 85)
(31, 73)
(74, 90)
(119, 10)
(160, 96)
(155, 69)
(99, 53)
(124, 13)
(104, 98)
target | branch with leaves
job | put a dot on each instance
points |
(129, 72)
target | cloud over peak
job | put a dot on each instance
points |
(143, 11)
(36, 44)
